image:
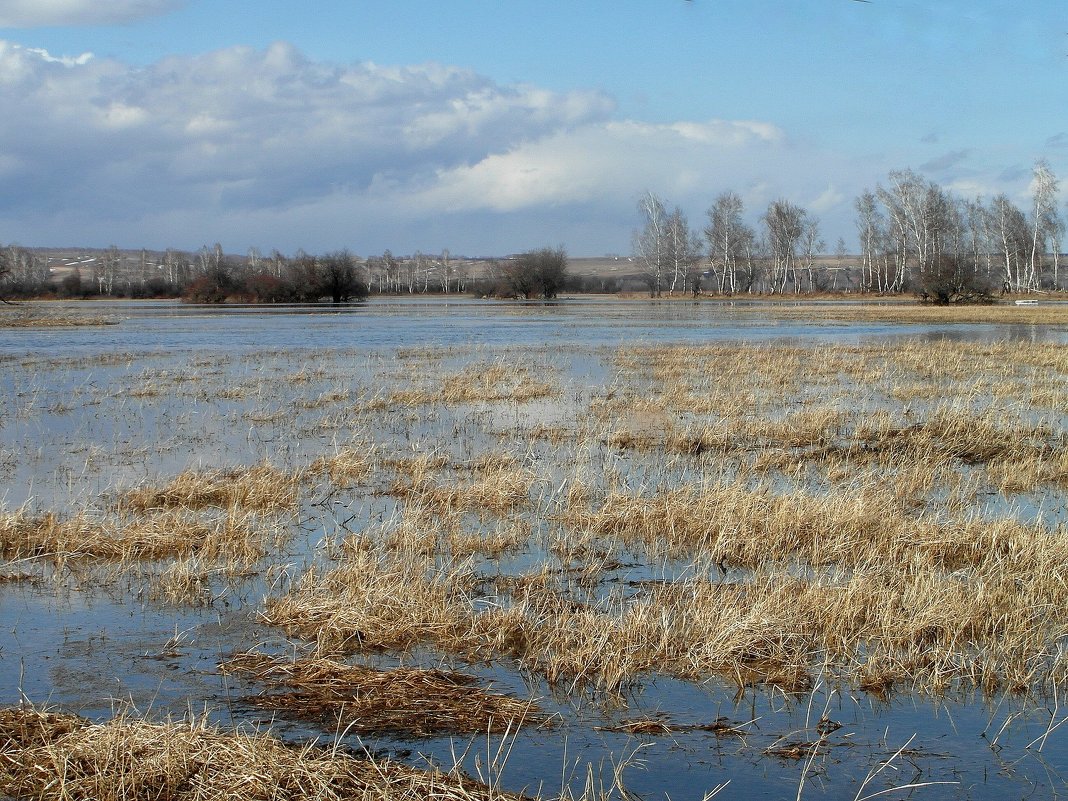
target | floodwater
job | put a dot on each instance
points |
(90, 411)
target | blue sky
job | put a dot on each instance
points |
(492, 127)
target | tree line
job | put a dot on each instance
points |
(212, 276)
(914, 235)
(207, 276)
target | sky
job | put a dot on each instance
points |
(492, 127)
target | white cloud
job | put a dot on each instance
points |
(598, 160)
(269, 148)
(40, 13)
(255, 128)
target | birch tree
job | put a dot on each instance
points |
(812, 244)
(1008, 232)
(871, 228)
(785, 224)
(650, 243)
(683, 251)
(1044, 218)
(730, 240)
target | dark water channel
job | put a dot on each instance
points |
(78, 422)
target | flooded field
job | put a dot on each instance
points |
(587, 549)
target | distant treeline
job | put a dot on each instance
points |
(212, 276)
(914, 236)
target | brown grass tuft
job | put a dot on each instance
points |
(261, 488)
(60, 757)
(363, 700)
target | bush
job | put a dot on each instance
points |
(953, 280)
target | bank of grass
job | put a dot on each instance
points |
(53, 756)
(21, 316)
(912, 311)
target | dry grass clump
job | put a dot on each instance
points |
(413, 471)
(507, 536)
(235, 538)
(953, 432)
(377, 598)
(721, 727)
(383, 600)
(495, 382)
(477, 383)
(186, 582)
(732, 523)
(347, 466)
(1016, 474)
(498, 485)
(261, 488)
(47, 755)
(363, 700)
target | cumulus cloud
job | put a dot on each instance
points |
(272, 149)
(604, 158)
(252, 128)
(40, 13)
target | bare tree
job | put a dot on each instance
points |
(785, 224)
(906, 204)
(840, 253)
(5, 272)
(812, 244)
(1044, 218)
(337, 277)
(871, 231)
(729, 239)
(682, 251)
(650, 243)
(1009, 233)
(110, 263)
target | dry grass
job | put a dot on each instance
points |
(863, 585)
(360, 699)
(347, 466)
(22, 317)
(51, 756)
(261, 488)
(499, 485)
(910, 311)
(487, 383)
(186, 582)
(235, 538)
